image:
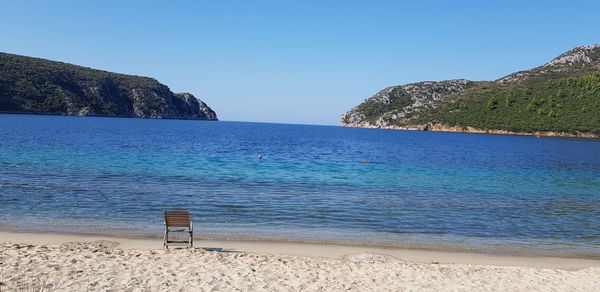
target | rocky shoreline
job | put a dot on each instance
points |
(94, 115)
(473, 130)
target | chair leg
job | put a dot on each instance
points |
(191, 239)
(166, 238)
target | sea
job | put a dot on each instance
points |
(288, 182)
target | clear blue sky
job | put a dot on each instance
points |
(297, 61)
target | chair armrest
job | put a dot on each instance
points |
(191, 226)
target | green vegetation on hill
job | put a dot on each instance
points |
(36, 85)
(372, 110)
(560, 96)
(568, 104)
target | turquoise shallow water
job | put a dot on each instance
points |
(114, 175)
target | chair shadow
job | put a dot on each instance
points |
(219, 249)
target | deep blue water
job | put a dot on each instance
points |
(115, 175)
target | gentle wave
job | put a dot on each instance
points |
(311, 183)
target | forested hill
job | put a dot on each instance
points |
(559, 97)
(33, 85)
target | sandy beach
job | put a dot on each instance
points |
(51, 262)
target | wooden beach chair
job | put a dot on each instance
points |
(178, 221)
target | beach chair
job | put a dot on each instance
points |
(178, 221)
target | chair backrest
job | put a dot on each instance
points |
(177, 218)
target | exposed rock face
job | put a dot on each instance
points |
(468, 129)
(583, 54)
(31, 85)
(559, 98)
(400, 101)
(199, 109)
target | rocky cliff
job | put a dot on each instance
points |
(33, 85)
(559, 98)
(394, 104)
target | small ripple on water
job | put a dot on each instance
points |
(436, 187)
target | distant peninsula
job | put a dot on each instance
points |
(559, 98)
(39, 86)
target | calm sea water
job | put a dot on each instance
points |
(114, 175)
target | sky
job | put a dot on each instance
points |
(303, 62)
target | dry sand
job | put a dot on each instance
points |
(49, 262)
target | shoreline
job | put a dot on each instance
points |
(499, 249)
(409, 253)
(98, 116)
(472, 130)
